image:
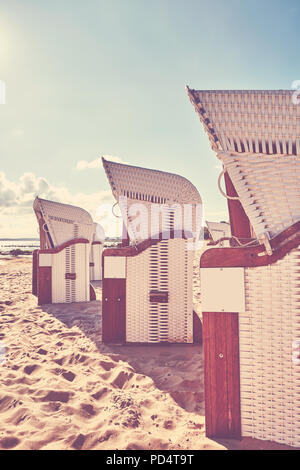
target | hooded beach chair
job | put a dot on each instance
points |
(147, 285)
(250, 291)
(220, 233)
(61, 267)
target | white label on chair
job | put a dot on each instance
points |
(45, 259)
(222, 289)
(115, 267)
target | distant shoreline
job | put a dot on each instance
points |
(19, 239)
(17, 247)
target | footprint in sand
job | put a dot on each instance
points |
(42, 351)
(79, 441)
(100, 394)
(122, 379)
(9, 442)
(68, 375)
(107, 365)
(54, 395)
(30, 369)
(19, 417)
(87, 410)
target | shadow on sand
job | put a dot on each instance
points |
(174, 368)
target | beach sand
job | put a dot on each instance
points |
(61, 388)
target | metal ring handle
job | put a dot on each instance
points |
(231, 198)
(112, 209)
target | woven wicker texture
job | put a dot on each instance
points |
(64, 222)
(151, 188)
(270, 399)
(73, 260)
(164, 267)
(258, 121)
(256, 134)
(268, 188)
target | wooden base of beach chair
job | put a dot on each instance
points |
(63, 273)
(147, 293)
(252, 370)
(260, 156)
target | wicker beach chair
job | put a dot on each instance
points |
(220, 233)
(251, 329)
(61, 266)
(147, 285)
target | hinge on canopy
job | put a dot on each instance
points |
(264, 239)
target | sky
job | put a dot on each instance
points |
(107, 77)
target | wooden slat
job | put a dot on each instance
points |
(44, 285)
(221, 419)
(125, 236)
(239, 221)
(92, 293)
(233, 374)
(222, 389)
(197, 329)
(114, 311)
(208, 385)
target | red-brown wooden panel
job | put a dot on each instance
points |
(134, 250)
(222, 372)
(114, 311)
(197, 329)
(125, 236)
(92, 293)
(43, 235)
(44, 285)
(35, 256)
(239, 221)
(281, 244)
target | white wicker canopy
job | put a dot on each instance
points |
(149, 187)
(256, 135)
(63, 222)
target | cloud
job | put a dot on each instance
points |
(17, 195)
(7, 191)
(84, 164)
(16, 199)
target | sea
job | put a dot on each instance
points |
(23, 244)
(29, 244)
